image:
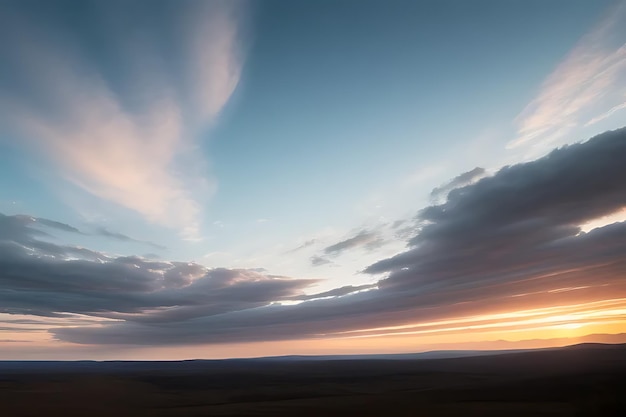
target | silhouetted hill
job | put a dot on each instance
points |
(582, 380)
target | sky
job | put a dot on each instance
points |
(210, 179)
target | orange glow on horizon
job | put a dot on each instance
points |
(556, 325)
(564, 313)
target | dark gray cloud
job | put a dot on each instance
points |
(514, 233)
(367, 239)
(526, 211)
(461, 180)
(21, 220)
(21, 231)
(46, 280)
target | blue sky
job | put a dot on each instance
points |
(287, 138)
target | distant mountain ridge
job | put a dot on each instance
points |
(238, 364)
(434, 354)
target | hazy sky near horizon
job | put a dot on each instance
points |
(231, 178)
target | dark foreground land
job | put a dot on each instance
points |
(583, 380)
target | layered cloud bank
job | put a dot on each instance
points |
(505, 252)
(118, 112)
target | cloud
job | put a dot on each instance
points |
(43, 279)
(458, 181)
(19, 230)
(56, 225)
(521, 224)
(606, 115)
(319, 261)
(23, 220)
(102, 231)
(586, 87)
(306, 244)
(504, 252)
(396, 224)
(215, 52)
(367, 239)
(125, 131)
(337, 292)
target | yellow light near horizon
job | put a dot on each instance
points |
(555, 314)
(618, 216)
(554, 325)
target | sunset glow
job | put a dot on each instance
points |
(212, 179)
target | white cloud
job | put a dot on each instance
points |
(141, 156)
(606, 115)
(215, 56)
(586, 87)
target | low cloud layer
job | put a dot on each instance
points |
(519, 230)
(45, 279)
(21, 221)
(509, 241)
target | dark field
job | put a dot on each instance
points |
(584, 380)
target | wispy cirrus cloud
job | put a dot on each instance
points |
(122, 121)
(607, 114)
(103, 231)
(24, 220)
(319, 261)
(588, 86)
(364, 238)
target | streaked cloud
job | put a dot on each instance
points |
(35, 228)
(588, 86)
(606, 115)
(366, 239)
(504, 254)
(304, 245)
(319, 261)
(103, 231)
(48, 280)
(458, 181)
(53, 224)
(338, 292)
(128, 131)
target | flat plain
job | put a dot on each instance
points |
(581, 380)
